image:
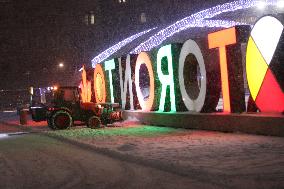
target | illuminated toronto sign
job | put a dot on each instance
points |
(191, 76)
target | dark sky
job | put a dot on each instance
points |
(35, 35)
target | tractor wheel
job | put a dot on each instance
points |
(94, 122)
(61, 120)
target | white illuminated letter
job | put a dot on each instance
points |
(166, 80)
(110, 65)
(123, 85)
(191, 47)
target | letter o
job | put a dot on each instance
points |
(143, 58)
(191, 47)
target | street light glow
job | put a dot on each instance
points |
(61, 65)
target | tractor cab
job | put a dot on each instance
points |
(49, 99)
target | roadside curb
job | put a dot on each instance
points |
(257, 124)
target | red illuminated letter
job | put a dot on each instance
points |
(85, 86)
(99, 84)
(220, 40)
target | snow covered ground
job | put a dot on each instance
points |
(241, 160)
(232, 160)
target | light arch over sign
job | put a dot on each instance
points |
(111, 50)
(195, 19)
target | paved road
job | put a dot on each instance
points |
(5, 128)
(36, 161)
(9, 123)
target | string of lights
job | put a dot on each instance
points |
(108, 52)
(216, 23)
(199, 19)
(194, 20)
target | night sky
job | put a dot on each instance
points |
(36, 35)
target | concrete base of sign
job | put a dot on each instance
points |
(258, 123)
